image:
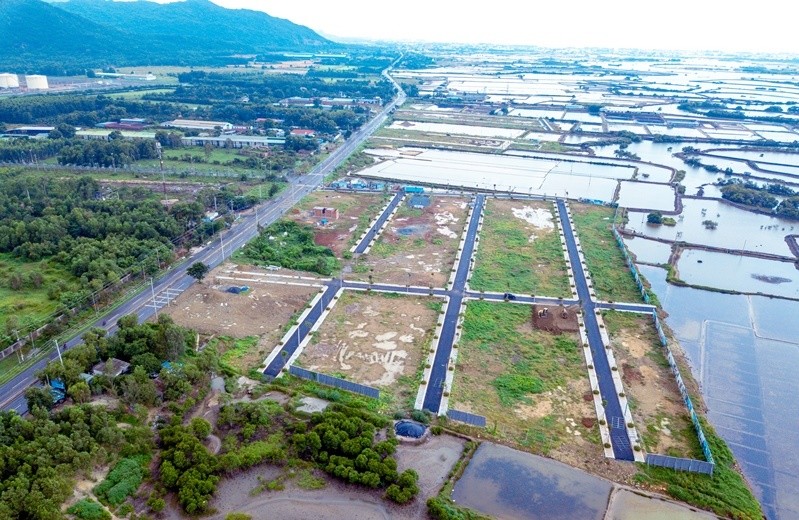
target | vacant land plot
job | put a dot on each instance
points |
(378, 340)
(530, 385)
(611, 277)
(250, 324)
(419, 245)
(355, 212)
(656, 404)
(520, 250)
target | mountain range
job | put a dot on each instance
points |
(68, 37)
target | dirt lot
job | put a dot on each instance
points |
(418, 247)
(520, 250)
(532, 386)
(657, 407)
(377, 340)
(355, 212)
(261, 312)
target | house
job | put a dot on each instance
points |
(111, 368)
(303, 132)
(323, 212)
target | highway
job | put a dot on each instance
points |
(175, 281)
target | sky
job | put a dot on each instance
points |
(764, 26)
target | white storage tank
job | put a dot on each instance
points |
(9, 81)
(36, 82)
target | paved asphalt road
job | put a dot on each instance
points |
(438, 374)
(177, 281)
(613, 412)
(367, 239)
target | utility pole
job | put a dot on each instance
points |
(161, 163)
(59, 353)
(152, 291)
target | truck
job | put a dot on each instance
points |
(58, 390)
(413, 189)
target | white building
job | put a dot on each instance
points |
(36, 82)
(194, 124)
(9, 81)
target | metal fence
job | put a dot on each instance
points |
(676, 371)
(336, 382)
(466, 417)
(700, 433)
(692, 465)
(631, 265)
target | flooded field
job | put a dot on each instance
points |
(738, 273)
(443, 128)
(645, 195)
(648, 251)
(503, 173)
(737, 229)
(745, 355)
(510, 484)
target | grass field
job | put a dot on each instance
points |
(725, 493)
(28, 306)
(530, 385)
(611, 277)
(507, 261)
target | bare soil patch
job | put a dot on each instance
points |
(262, 311)
(355, 212)
(556, 318)
(378, 340)
(657, 407)
(418, 247)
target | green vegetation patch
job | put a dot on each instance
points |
(506, 368)
(611, 277)
(291, 245)
(88, 509)
(507, 261)
(123, 481)
(725, 493)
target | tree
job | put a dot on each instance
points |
(138, 388)
(208, 149)
(37, 396)
(200, 428)
(79, 392)
(655, 217)
(197, 270)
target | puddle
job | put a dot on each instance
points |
(506, 483)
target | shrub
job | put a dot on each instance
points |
(420, 416)
(88, 509)
(122, 481)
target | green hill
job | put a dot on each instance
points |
(68, 37)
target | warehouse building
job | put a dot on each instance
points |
(195, 124)
(235, 141)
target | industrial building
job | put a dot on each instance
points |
(36, 82)
(137, 77)
(194, 124)
(235, 141)
(9, 80)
